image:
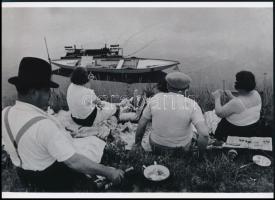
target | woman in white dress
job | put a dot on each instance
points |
(86, 108)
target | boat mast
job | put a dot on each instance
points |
(47, 50)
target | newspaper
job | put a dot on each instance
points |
(263, 143)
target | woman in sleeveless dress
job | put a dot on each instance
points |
(241, 115)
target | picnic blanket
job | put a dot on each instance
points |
(126, 130)
(91, 145)
(102, 130)
(126, 133)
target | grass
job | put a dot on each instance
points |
(212, 173)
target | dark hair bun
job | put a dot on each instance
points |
(245, 80)
(80, 76)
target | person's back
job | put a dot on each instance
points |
(34, 152)
(86, 108)
(79, 99)
(172, 115)
(250, 108)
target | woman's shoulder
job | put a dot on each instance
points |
(256, 93)
(258, 96)
(80, 88)
(237, 103)
(255, 96)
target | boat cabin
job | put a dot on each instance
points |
(73, 52)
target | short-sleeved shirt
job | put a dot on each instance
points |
(41, 145)
(80, 100)
(172, 115)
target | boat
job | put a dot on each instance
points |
(108, 63)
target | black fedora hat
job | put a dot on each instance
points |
(34, 72)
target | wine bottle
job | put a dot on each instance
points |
(103, 183)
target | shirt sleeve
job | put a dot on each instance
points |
(90, 97)
(54, 140)
(196, 115)
(93, 95)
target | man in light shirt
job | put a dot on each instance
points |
(172, 115)
(43, 155)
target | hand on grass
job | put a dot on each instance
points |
(115, 175)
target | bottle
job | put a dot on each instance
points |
(232, 154)
(103, 183)
(135, 102)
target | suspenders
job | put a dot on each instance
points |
(21, 131)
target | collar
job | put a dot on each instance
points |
(28, 106)
(175, 93)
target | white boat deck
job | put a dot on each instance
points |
(120, 63)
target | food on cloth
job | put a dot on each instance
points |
(261, 160)
(156, 175)
(156, 172)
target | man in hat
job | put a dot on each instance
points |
(44, 156)
(172, 114)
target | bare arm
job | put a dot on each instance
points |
(84, 165)
(141, 130)
(203, 135)
(229, 94)
(226, 110)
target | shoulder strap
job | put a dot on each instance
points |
(20, 132)
(10, 133)
(242, 103)
(8, 127)
(26, 127)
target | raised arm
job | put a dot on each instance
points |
(228, 109)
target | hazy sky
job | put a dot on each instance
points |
(210, 38)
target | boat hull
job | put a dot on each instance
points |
(149, 77)
(142, 65)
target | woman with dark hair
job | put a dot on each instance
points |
(86, 108)
(241, 115)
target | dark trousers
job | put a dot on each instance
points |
(225, 129)
(56, 178)
(88, 121)
(162, 150)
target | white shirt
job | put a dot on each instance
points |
(172, 115)
(80, 100)
(41, 145)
